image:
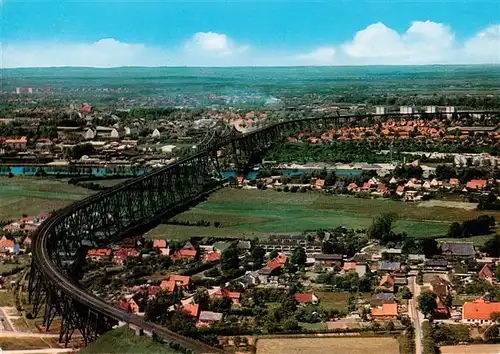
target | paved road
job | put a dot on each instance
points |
(415, 315)
(6, 322)
(28, 334)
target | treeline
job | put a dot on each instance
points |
(202, 222)
(367, 151)
(482, 225)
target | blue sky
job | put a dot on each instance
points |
(279, 32)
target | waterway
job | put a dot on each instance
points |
(124, 171)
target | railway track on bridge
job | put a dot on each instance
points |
(100, 219)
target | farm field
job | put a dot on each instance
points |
(356, 345)
(257, 213)
(31, 195)
(471, 349)
(26, 343)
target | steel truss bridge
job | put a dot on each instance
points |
(61, 243)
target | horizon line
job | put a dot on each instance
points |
(236, 66)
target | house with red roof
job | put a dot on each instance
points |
(159, 243)
(192, 309)
(184, 255)
(277, 262)
(387, 283)
(476, 184)
(122, 254)
(129, 305)
(441, 311)
(385, 311)
(319, 183)
(210, 256)
(486, 273)
(272, 269)
(233, 295)
(352, 187)
(366, 186)
(175, 281)
(479, 311)
(7, 245)
(454, 182)
(168, 285)
(307, 298)
(99, 254)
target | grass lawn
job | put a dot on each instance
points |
(319, 345)
(337, 300)
(123, 340)
(32, 195)
(459, 300)
(256, 213)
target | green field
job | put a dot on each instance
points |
(338, 300)
(249, 213)
(123, 340)
(31, 195)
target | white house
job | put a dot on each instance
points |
(406, 110)
(168, 149)
(430, 109)
(380, 110)
(449, 111)
(89, 134)
(156, 134)
(117, 133)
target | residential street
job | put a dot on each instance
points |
(415, 315)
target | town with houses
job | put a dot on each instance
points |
(338, 280)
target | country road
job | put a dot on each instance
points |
(415, 315)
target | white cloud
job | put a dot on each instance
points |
(422, 43)
(484, 47)
(213, 44)
(319, 56)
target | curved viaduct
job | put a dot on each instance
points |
(61, 242)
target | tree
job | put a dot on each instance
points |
(258, 254)
(430, 247)
(381, 228)
(491, 332)
(273, 254)
(289, 304)
(448, 300)
(229, 258)
(405, 293)
(221, 304)
(291, 324)
(427, 303)
(299, 257)
(389, 326)
(492, 246)
(495, 316)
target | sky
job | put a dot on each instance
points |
(109, 33)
